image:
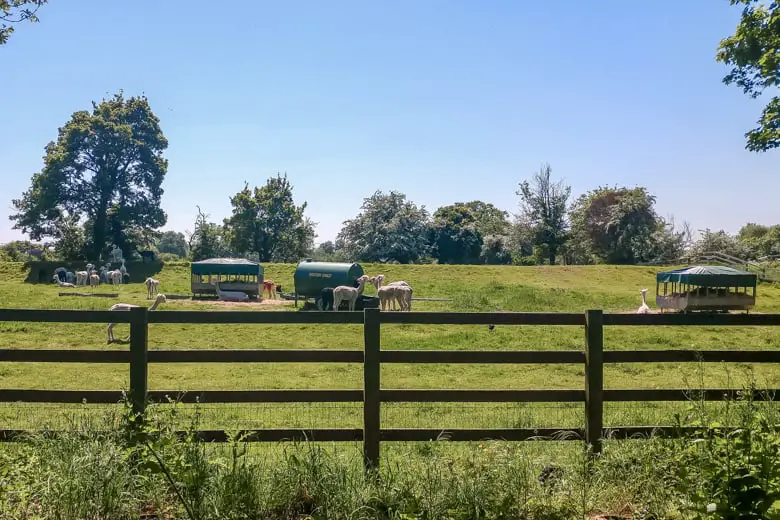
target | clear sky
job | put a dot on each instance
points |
(443, 100)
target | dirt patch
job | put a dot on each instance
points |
(218, 303)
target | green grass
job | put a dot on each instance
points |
(473, 288)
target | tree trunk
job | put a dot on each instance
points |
(99, 231)
(552, 258)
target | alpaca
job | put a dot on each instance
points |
(643, 309)
(403, 294)
(126, 307)
(386, 296)
(377, 282)
(94, 280)
(115, 277)
(65, 284)
(349, 294)
(236, 296)
(152, 287)
(269, 287)
(81, 277)
(326, 299)
(70, 277)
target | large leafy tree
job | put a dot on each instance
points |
(454, 235)
(172, 242)
(389, 227)
(17, 11)
(620, 226)
(753, 52)
(106, 170)
(267, 222)
(759, 241)
(543, 210)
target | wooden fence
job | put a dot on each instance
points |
(593, 356)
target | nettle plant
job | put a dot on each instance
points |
(733, 473)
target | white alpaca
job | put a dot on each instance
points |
(126, 307)
(345, 293)
(235, 296)
(152, 287)
(644, 309)
(81, 277)
(377, 282)
(386, 296)
(115, 277)
(94, 280)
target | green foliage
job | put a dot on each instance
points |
(732, 473)
(543, 204)
(759, 241)
(172, 242)
(752, 52)
(619, 226)
(716, 241)
(23, 250)
(17, 11)
(267, 222)
(495, 251)
(105, 169)
(389, 227)
(207, 240)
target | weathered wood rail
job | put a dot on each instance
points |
(372, 395)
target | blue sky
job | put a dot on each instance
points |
(443, 100)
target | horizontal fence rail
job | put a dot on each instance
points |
(593, 357)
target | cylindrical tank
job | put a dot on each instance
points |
(312, 277)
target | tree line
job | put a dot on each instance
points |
(101, 184)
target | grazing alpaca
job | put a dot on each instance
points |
(345, 293)
(152, 286)
(231, 296)
(81, 277)
(326, 299)
(126, 307)
(269, 287)
(643, 309)
(94, 280)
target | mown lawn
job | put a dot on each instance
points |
(472, 288)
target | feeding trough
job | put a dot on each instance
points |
(706, 288)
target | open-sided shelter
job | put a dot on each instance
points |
(706, 287)
(232, 274)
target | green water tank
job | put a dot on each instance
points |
(312, 277)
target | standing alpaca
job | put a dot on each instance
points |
(269, 287)
(115, 277)
(94, 280)
(377, 281)
(387, 295)
(345, 293)
(152, 286)
(644, 309)
(403, 295)
(81, 277)
(126, 307)
(70, 277)
(325, 301)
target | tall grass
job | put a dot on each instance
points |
(111, 467)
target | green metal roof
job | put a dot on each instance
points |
(709, 275)
(226, 266)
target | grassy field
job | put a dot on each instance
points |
(88, 474)
(473, 288)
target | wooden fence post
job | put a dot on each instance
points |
(139, 368)
(594, 379)
(371, 385)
